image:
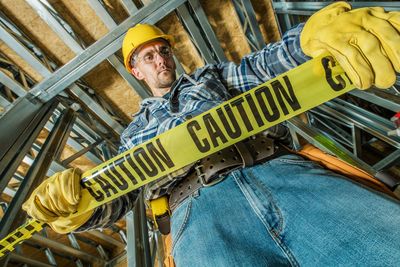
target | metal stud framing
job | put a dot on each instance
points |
(348, 123)
(247, 17)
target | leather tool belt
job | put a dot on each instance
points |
(212, 169)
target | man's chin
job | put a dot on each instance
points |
(167, 81)
(165, 84)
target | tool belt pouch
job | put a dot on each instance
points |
(161, 214)
(164, 223)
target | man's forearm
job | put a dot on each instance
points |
(107, 214)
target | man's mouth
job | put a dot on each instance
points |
(164, 70)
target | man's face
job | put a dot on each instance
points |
(153, 63)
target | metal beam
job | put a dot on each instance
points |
(102, 13)
(77, 146)
(96, 109)
(131, 254)
(39, 66)
(12, 85)
(31, 262)
(74, 144)
(379, 97)
(314, 6)
(316, 138)
(75, 244)
(18, 133)
(9, 192)
(363, 119)
(130, 7)
(43, 11)
(208, 31)
(286, 18)
(4, 105)
(329, 124)
(81, 152)
(51, 148)
(357, 145)
(56, 246)
(196, 34)
(138, 246)
(54, 166)
(106, 238)
(388, 161)
(24, 53)
(253, 34)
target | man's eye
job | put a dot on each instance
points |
(164, 50)
(148, 57)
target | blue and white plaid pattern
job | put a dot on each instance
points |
(195, 94)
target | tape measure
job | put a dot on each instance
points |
(294, 92)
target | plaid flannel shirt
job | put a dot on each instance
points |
(195, 94)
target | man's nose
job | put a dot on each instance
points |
(159, 58)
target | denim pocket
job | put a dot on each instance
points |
(179, 220)
(297, 160)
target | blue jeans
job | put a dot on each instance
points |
(288, 211)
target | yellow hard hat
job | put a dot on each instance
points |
(138, 35)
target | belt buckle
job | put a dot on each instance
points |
(201, 176)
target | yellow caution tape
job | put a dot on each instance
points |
(275, 101)
(19, 235)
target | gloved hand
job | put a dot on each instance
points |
(365, 42)
(55, 199)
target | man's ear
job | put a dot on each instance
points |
(137, 73)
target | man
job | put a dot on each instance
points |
(281, 210)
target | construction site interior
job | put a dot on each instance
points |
(63, 55)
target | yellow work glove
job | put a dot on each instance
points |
(55, 199)
(365, 42)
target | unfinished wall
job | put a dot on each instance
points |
(36, 29)
(266, 20)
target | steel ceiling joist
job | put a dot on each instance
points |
(129, 6)
(363, 119)
(210, 36)
(10, 38)
(31, 262)
(4, 105)
(379, 97)
(249, 23)
(54, 245)
(313, 136)
(291, 10)
(201, 33)
(13, 84)
(196, 35)
(285, 7)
